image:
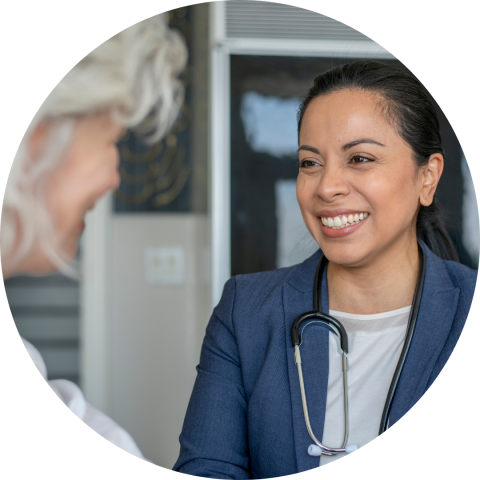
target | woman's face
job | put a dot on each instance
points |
(88, 171)
(358, 186)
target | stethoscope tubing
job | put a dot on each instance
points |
(325, 450)
(412, 321)
(318, 316)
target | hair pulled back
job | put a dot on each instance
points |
(410, 111)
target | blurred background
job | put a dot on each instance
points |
(214, 199)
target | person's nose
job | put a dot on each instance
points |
(333, 184)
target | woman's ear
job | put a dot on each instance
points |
(431, 173)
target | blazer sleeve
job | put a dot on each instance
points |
(213, 442)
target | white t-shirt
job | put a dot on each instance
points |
(73, 398)
(374, 346)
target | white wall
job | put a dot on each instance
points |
(155, 332)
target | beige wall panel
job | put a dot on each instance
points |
(156, 331)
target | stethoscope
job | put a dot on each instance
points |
(318, 317)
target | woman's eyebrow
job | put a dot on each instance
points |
(359, 141)
(347, 146)
(309, 148)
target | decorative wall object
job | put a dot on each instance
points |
(157, 178)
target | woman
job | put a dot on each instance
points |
(370, 159)
(68, 160)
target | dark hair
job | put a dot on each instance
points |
(409, 109)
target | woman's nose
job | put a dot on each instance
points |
(333, 184)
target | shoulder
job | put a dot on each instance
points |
(465, 279)
(448, 279)
(262, 287)
(263, 284)
(252, 291)
(444, 275)
(462, 276)
(259, 294)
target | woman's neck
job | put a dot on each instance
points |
(386, 283)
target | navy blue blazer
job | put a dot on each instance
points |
(245, 417)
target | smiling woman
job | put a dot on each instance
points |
(395, 299)
(344, 173)
(390, 134)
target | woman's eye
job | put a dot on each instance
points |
(360, 159)
(308, 163)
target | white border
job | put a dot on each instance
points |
(42, 40)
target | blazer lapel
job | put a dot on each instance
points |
(298, 299)
(437, 312)
(435, 317)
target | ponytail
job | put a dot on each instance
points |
(431, 230)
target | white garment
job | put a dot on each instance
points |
(74, 399)
(374, 346)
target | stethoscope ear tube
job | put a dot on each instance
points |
(318, 316)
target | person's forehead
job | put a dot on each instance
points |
(346, 113)
(346, 103)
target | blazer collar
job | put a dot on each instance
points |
(437, 312)
(302, 276)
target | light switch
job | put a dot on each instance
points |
(164, 265)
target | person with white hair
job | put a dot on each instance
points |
(68, 160)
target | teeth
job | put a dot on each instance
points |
(343, 221)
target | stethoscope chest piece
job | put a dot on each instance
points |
(316, 451)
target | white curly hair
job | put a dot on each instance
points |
(134, 76)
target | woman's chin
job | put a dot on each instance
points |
(352, 255)
(36, 265)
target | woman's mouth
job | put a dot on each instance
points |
(342, 221)
(343, 224)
